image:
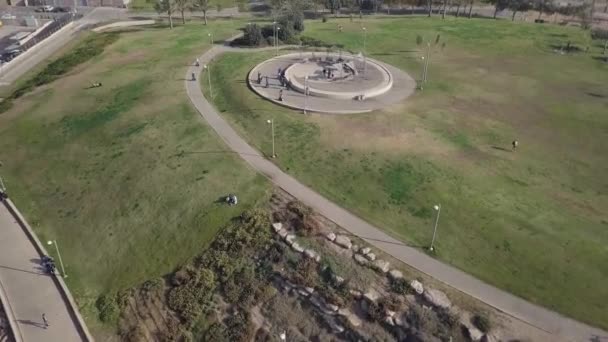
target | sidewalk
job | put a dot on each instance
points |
(30, 292)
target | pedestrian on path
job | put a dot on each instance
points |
(266, 81)
(281, 95)
(198, 62)
(193, 77)
(514, 144)
(46, 322)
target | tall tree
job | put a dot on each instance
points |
(203, 6)
(499, 5)
(519, 6)
(471, 8)
(182, 6)
(445, 8)
(165, 6)
(430, 7)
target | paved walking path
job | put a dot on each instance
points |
(31, 292)
(504, 301)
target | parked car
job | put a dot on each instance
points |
(9, 55)
(60, 9)
(7, 16)
(46, 8)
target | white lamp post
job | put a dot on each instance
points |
(305, 92)
(271, 122)
(437, 207)
(426, 62)
(54, 242)
(208, 69)
(364, 38)
(277, 42)
(210, 38)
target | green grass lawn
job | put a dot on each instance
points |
(532, 222)
(126, 176)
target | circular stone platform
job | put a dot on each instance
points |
(357, 84)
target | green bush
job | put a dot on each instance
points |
(482, 322)
(253, 35)
(399, 286)
(599, 33)
(107, 308)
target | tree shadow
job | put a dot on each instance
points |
(24, 271)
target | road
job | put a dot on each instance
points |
(535, 315)
(31, 292)
(42, 51)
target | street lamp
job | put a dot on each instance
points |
(305, 92)
(426, 62)
(274, 33)
(437, 208)
(210, 38)
(277, 42)
(208, 69)
(54, 242)
(271, 122)
(364, 37)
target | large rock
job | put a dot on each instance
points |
(330, 236)
(371, 295)
(283, 233)
(417, 286)
(333, 307)
(360, 259)
(370, 256)
(355, 293)
(309, 253)
(351, 317)
(277, 226)
(365, 250)
(343, 241)
(296, 247)
(356, 248)
(395, 274)
(381, 265)
(290, 238)
(438, 299)
(339, 280)
(489, 338)
(474, 333)
(389, 320)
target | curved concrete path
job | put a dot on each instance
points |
(535, 315)
(29, 291)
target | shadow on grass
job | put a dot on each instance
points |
(217, 152)
(502, 148)
(399, 243)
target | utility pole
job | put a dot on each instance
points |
(271, 122)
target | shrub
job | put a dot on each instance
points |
(324, 19)
(418, 39)
(391, 302)
(482, 322)
(240, 327)
(399, 285)
(375, 313)
(253, 35)
(217, 333)
(599, 33)
(307, 272)
(108, 308)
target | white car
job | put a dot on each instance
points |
(7, 16)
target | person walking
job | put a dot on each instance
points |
(193, 77)
(514, 144)
(281, 95)
(46, 322)
(198, 62)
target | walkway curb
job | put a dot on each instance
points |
(15, 332)
(65, 292)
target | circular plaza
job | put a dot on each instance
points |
(336, 83)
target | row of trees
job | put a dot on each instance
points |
(442, 6)
(170, 7)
